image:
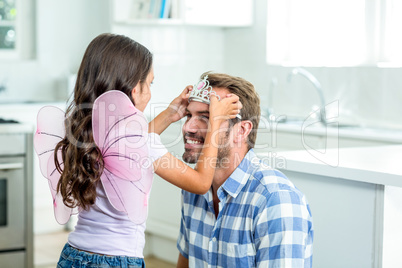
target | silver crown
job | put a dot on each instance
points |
(202, 91)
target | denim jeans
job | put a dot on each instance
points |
(73, 258)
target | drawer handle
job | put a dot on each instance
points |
(8, 166)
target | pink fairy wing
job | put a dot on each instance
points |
(128, 196)
(121, 131)
(62, 213)
(50, 130)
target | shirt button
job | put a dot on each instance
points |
(214, 239)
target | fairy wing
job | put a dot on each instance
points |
(50, 130)
(121, 131)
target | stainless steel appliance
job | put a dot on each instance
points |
(16, 232)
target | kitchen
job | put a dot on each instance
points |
(362, 93)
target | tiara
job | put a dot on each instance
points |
(202, 91)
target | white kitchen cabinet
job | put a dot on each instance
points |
(344, 218)
(221, 13)
(17, 29)
(355, 204)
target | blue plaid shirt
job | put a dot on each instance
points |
(263, 221)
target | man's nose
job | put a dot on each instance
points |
(190, 126)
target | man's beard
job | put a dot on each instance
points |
(191, 156)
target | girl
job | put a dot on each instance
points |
(97, 165)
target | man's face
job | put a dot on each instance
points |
(195, 129)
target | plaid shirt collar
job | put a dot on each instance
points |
(236, 181)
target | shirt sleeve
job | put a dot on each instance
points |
(155, 147)
(182, 240)
(283, 233)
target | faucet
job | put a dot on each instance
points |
(310, 77)
(270, 110)
(3, 86)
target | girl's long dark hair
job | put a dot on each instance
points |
(111, 62)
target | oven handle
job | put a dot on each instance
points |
(10, 166)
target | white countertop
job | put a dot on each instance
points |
(378, 165)
(16, 128)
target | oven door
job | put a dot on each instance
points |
(12, 200)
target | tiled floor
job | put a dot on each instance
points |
(47, 248)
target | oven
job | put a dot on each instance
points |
(16, 239)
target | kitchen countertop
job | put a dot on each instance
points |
(16, 128)
(378, 165)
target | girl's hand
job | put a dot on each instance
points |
(226, 108)
(177, 108)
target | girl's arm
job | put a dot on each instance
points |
(175, 111)
(199, 180)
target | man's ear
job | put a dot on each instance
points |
(242, 131)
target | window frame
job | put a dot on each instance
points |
(24, 26)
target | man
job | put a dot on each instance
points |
(252, 216)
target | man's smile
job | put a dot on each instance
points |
(193, 142)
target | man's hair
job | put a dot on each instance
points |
(247, 95)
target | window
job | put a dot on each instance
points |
(16, 29)
(391, 38)
(334, 32)
(7, 24)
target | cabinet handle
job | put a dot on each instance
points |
(8, 166)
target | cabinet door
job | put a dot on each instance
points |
(345, 214)
(13, 259)
(12, 204)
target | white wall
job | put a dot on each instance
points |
(181, 55)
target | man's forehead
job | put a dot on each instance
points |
(197, 107)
